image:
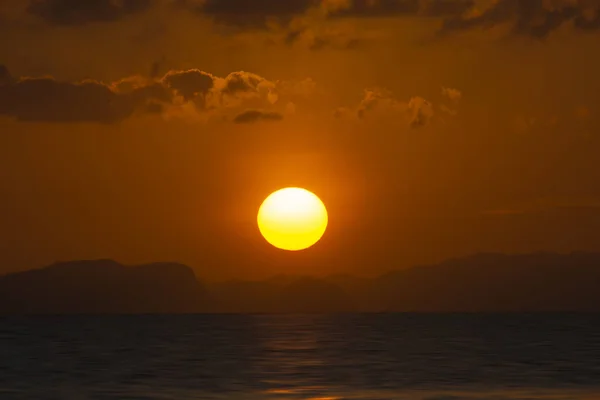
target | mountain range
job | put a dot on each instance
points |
(538, 282)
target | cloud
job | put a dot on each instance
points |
(46, 99)
(453, 95)
(242, 82)
(257, 14)
(177, 93)
(238, 91)
(376, 102)
(374, 98)
(533, 18)
(387, 8)
(156, 67)
(242, 87)
(78, 12)
(265, 13)
(314, 39)
(249, 116)
(303, 88)
(420, 112)
(304, 23)
(189, 84)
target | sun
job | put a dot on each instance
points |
(292, 219)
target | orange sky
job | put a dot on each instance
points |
(430, 129)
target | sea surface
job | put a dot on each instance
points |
(351, 356)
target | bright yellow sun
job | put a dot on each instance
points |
(292, 219)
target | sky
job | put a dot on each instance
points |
(151, 130)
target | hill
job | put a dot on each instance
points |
(492, 283)
(102, 286)
(479, 283)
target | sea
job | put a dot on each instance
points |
(318, 357)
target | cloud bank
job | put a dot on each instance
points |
(45, 99)
(533, 18)
(308, 23)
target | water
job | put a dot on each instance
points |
(354, 356)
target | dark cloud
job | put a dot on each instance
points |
(444, 8)
(48, 100)
(249, 116)
(534, 18)
(81, 12)
(178, 93)
(588, 22)
(260, 13)
(386, 8)
(238, 82)
(246, 86)
(248, 14)
(319, 41)
(262, 7)
(189, 84)
(301, 22)
(156, 67)
(154, 108)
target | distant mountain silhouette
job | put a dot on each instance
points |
(102, 286)
(281, 295)
(479, 283)
(244, 296)
(492, 283)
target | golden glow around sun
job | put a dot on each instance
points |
(292, 219)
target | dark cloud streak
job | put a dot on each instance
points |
(251, 14)
(250, 116)
(81, 12)
(533, 18)
(387, 8)
(258, 13)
